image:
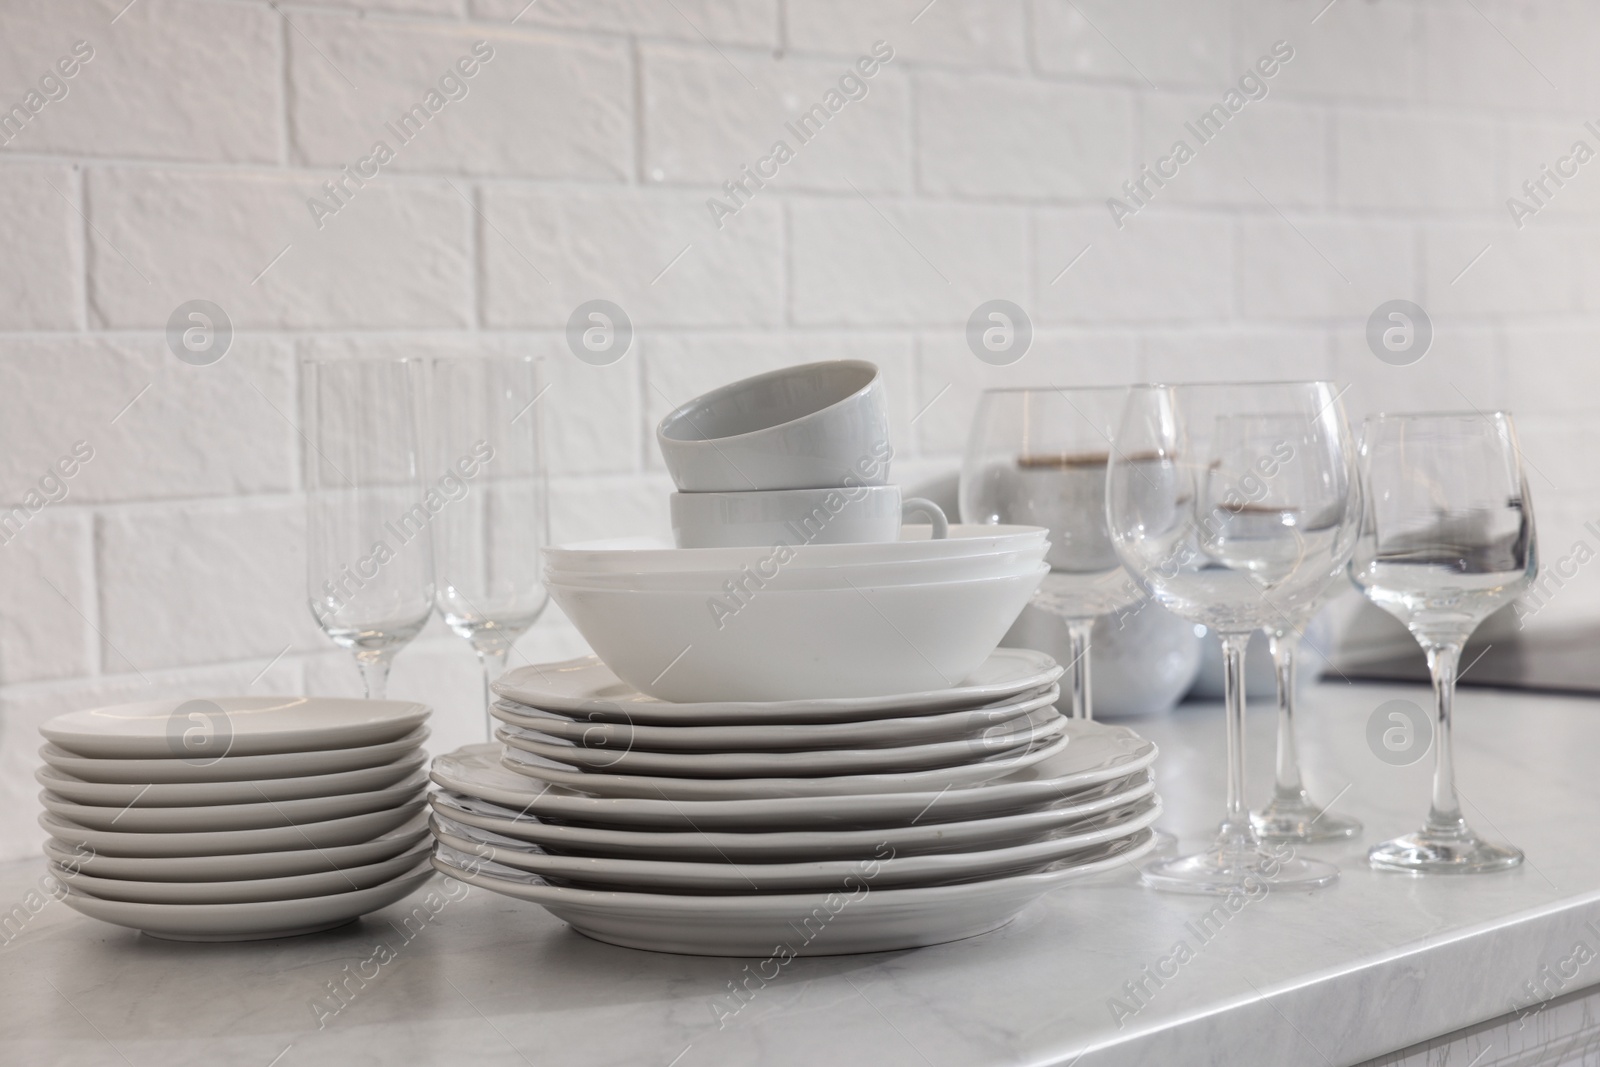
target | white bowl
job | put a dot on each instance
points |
(785, 644)
(806, 427)
(644, 555)
(777, 576)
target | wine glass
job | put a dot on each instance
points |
(1291, 814)
(1229, 522)
(369, 558)
(487, 459)
(1037, 457)
(1447, 539)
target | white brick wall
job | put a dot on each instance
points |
(179, 161)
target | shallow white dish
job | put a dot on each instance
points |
(248, 922)
(1096, 753)
(291, 887)
(203, 730)
(190, 794)
(586, 688)
(879, 733)
(347, 831)
(1043, 725)
(885, 868)
(231, 768)
(785, 846)
(654, 555)
(658, 786)
(799, 924)
(782, 576)
(250, 865)
(132, 818)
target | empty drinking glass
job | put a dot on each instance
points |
(1037, 457)
(369, 558)
(486, 459)
(1447, 539)
(1291, 814)
(1232, 504)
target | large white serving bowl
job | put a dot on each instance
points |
(651, 555)
(778, 576)
(783, 644)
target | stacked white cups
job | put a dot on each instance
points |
(795, 456)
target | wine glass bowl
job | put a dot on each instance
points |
(1038, 457)
(1233, 505)
(1447, 539)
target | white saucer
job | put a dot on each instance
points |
(207, 729)
(788, 846)
(886, 868)
(1097, 753)
(292, 887)
(248, 922)
(137, 819)
(778, 737)
(191, 794)
(1038, 728)
(230, 768)
(638, 785)
(799, 924)
(250, 865)
(587, 688)
(348, 831)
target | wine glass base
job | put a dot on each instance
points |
(1250, 872)
(1163, 843)
(1301, 820)
(1431, 853)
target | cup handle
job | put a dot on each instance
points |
(917, 505)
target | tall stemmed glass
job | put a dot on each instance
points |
(1228, 523)
(1291, 814)
(1447, 539)
(369, 558)
(1038, 457)
(487, 460)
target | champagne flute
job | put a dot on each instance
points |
(369, 558)
(1228, 522)
(1037, 457)
(487, 454)
(1447, 539)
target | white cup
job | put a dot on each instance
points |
(805, 427)
(797, 517)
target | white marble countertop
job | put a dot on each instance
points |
(1376, 963)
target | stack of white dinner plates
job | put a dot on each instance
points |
(807, 827)
(236, 818)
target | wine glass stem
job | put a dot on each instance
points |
(1236, 830)
(375, 675)
(494, 664)
(1445, 814)
(1284, 649)
(1078, 633)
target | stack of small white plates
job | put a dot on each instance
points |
(811, 827)
(236, 818)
